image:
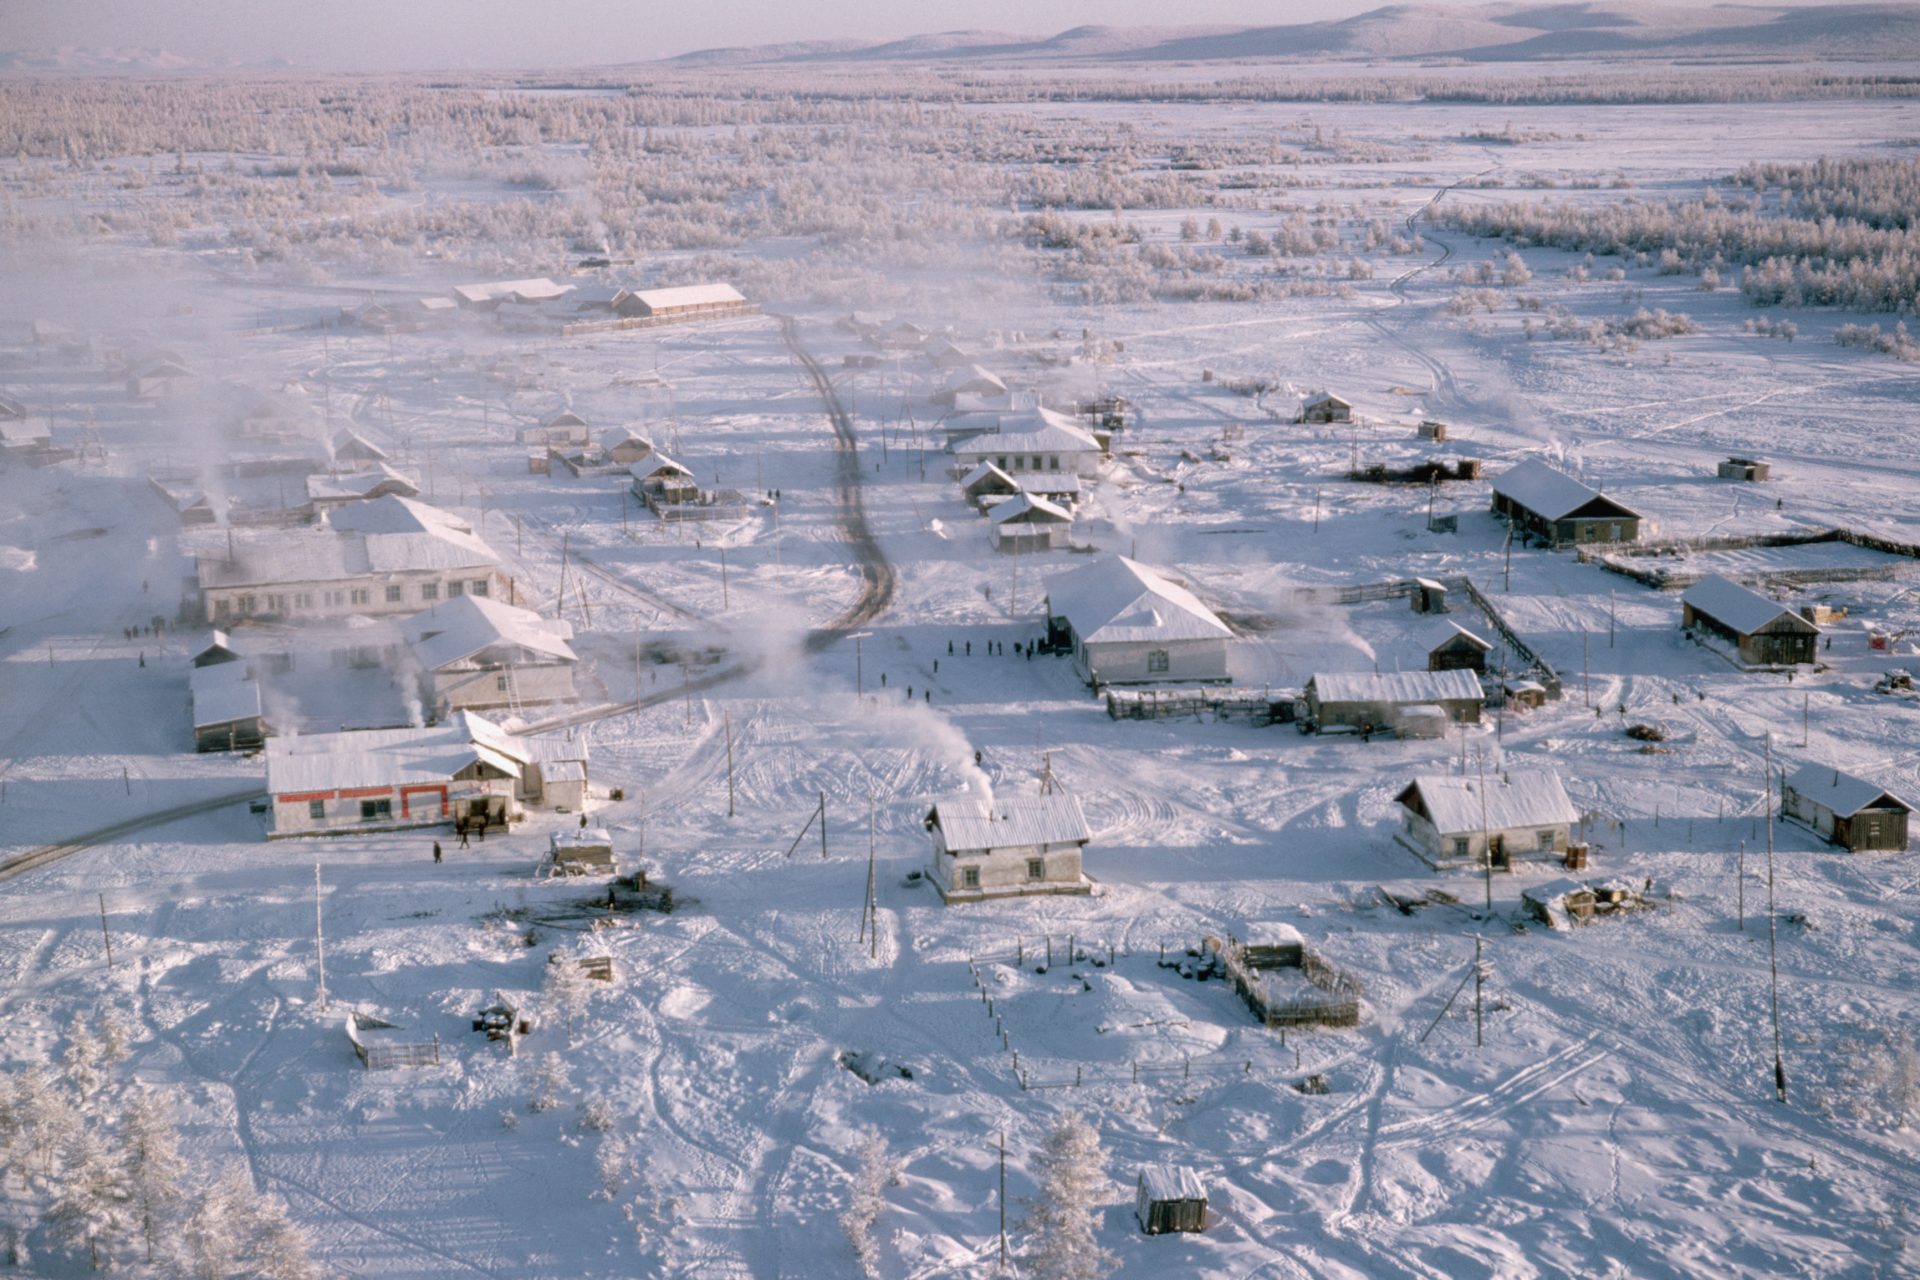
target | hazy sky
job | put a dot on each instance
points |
(483, 33)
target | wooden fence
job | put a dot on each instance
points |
(382, 1053)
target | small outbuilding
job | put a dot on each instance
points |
(1375, 702)
(1449, 820)
(1748, 469)
(352, 447)
(1451, 647)
(1763, 631)
(1845, 810)
(1007, 848)
(562, 431)
(1027, 524)
(624, 446)
(587, 851)
(1323, 407)
(326, 492)
(1170, 1197)
(1558, 509)
(987, 484)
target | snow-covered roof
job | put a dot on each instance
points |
(655, 464)
(1272, 933)
(1029, 508)
(1001, 824)
(1325, 397)
(1521, 798)
(1444, 631)
(585, 838)
(1117, 600)
(1550, 494)
(688, 295)
(984, 471)
(352, 442)
(454, 630)
(1047, 482)
(389, 757)
(613, 437)
(1842, 793)
(1164, 1182)
(534, 289)
(973, 378)
(1739, 608)
(223, 693)
(25, 433)
(389, 534)
(1396, 686)
(1034, 431)
(324, 488)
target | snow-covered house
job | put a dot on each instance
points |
(624, 446)
(325, 492)
(475, 652)
(227, 710)
(350, 447)
(1038, 440)
(987, 484)
(687, 302)
(1763, 631)
(562, 431)
(491, 294)
(390, 555)
(1373, 702)
(659, 482)
(158, 379)
(1061, 488)
(1170, 1197)
(467, 769)
(20, 437)
(1323, 407)
(987, 849)
(1845, 810)
(972, 380)
(1555, 507)
(1027, 524)
(1127, 623)
(1451, 647)
(1452, 821)
(942, 353)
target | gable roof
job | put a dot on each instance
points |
(984, 472)
(1397, 686)
(1843, 793)
(360, 484)
(1118, 600)
(390, 757)
(1739, 608)
(388, 534)
(1000, 824)
(456, 629)
(534, 289)
(656, 463)
(24, 433)
(688, 295)
(1520, 798)
(352, 442)
(223, 693)
(1035, 431)
(1028, 508)
(1442, 631)
(1553, 495)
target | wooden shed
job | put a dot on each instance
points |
(1028, 523)
(1171, 1197)
(1558, 509)
(1750, 469)
(1324, 406)
(1842, 809)
(1373, 702)
(588, 851)
(1451, 647)
(1764, 632)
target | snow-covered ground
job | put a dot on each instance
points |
(1620, 1118)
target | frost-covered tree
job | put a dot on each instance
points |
(867, 1196)
(90, 1200)
(81, 1058)
(550, 1077)
(211, 1240)
(156, 1173)
(610, 1165)
(116, 1035)
(570, 990)
(1062, 1215)
(44, 1121)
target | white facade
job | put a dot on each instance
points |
(1130, 624)
(1007, 849)
(1522, 815)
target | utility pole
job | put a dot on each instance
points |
(104, 935)
(1486, 834)
(1806, 718)
(319, 940)
(1507, 583)
(870, 922)
(1773, 935)
(1610, 602)
(1479, 980)
(724, 606)
(1740, 889)
(1003, 1199)
(1586, 671)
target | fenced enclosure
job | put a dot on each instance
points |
(381, 1046)
(1327, 996)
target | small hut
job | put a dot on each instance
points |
(381, 1046)
(1748, 469)
(1451, 647)
(588, 851)
(1028, 523)
(1845, 810)
(1324, 407)
(1171, 1198)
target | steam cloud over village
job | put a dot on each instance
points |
(1160, 651)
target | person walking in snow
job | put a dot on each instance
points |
(460, 828)
(436, 851)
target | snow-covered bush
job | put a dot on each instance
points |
(866, 1198)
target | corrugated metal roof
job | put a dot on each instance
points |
(535, 289)
(1520, 798)
(1397, 686)
(1119, 600)
(360, 484)
(973, 825)
(1035, 431)
(1547, 493)
(1029, 508)
(983, 472)
(223, 693)
(1742, 609)
(1843, 793)
(388, 757)
(1442, 631)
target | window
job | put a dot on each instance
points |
(478, 587)
(333, 599)
(393, 595)
(359, 595)
(276, 604)
(1156, 661)
(500, 683)
(1036, 868)
(221, 608)
(303, 599)
(429, 591)
(1546, 841)
(1053, 463)
(1000, 463)
(375, 810)
(1036, 463)
(316, 810)
(1462, 847)
(456, 587)
(969, 877)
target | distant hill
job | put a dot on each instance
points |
(1505, 32)
(69, 60)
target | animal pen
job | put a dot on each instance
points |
(381, 1046)
(1326, 997)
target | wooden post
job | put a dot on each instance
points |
(1003, 1188)
(1773, 935)
(319, 940)
(104, 935)
(1479, 980)
(729, 724)
(823, 825)
(1740, 887)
